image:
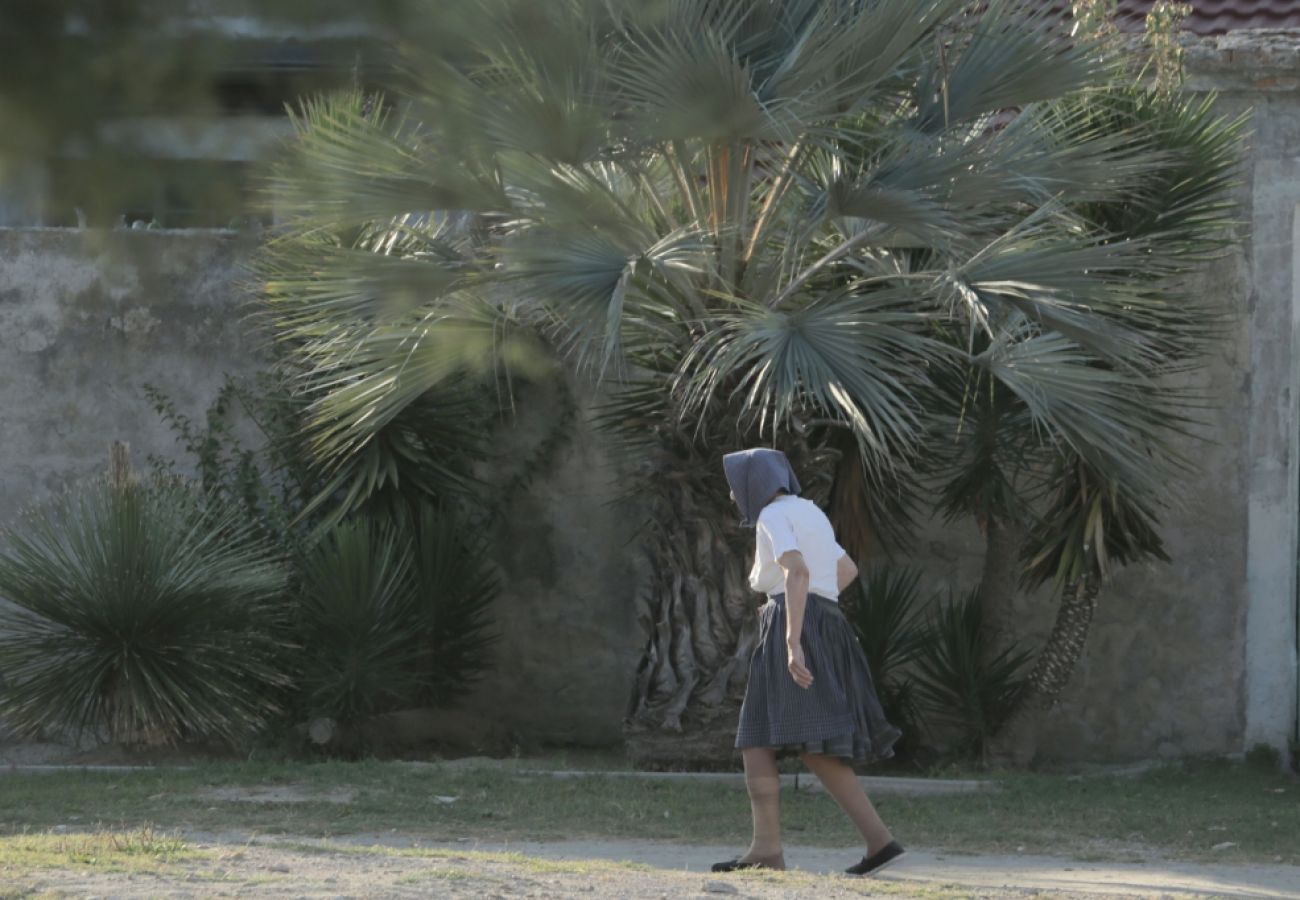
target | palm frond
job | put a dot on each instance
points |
(358, 381)
(984, 451)
(1007, 57)
(684, 80)
(1078, 287)
(312, 285)
(592, 291)
(352, 163)
(887, 616)
(1091, 526)
(455, 586)
(1122, 422)
(425, 454)
(853, 357)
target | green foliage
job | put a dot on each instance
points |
(453, 587)
(1097, 515)
(356, 617)
(985, 446)
(392, 614)
(426, 454)
(144, 611)
(997, 458)
(390, 598)
(776, 205)
(272, 481)
(1089, 527)
(883, 607)
(955, 684)
(928, 660)
(75, 73)
(814, 222)
(1264, 757)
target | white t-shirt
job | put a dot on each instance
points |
(793, 523)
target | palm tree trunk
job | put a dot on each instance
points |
(848, 509)
(998, 585)
(698, 613)
(1016, 741)
(698, 618)
(1066, 644)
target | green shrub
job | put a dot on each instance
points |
(956, 685)
(143, 611)
(271, 483)
(392, 613)
(454, 588)
(884, 609)
(1264, 757)
(357, 622)
(389, 596)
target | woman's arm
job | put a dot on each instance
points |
(796, 599)
(845, 572)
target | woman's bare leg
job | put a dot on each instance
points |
(842, 783)
(764, 785)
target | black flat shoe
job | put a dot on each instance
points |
(732, 865)
(878, 860)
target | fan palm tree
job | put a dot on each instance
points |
(1051, 513)
(754, 221)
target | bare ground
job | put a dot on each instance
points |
(396, 865)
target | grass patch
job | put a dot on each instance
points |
(131, 850)
(1181, 810)
(437, 875)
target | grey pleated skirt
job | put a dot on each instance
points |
(839, 715)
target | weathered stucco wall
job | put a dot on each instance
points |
(1262, 71)
(569, 637)
(88, 318)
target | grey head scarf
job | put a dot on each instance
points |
(755, 475)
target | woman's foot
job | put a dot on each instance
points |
(878, 860)
(754, 862)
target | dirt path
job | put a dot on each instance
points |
(998, 874)
(395, 865)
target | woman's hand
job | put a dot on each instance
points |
(796, 599)
(798, 669)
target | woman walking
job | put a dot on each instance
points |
(810, 688)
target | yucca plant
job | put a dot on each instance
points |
(764, 221)
(455, 585)
(960, 686)
(357, 621)
(142, 612)
(392, 613)
(884, 608)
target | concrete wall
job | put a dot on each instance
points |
(569, 636)
(88, 318)
(1262, 71)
